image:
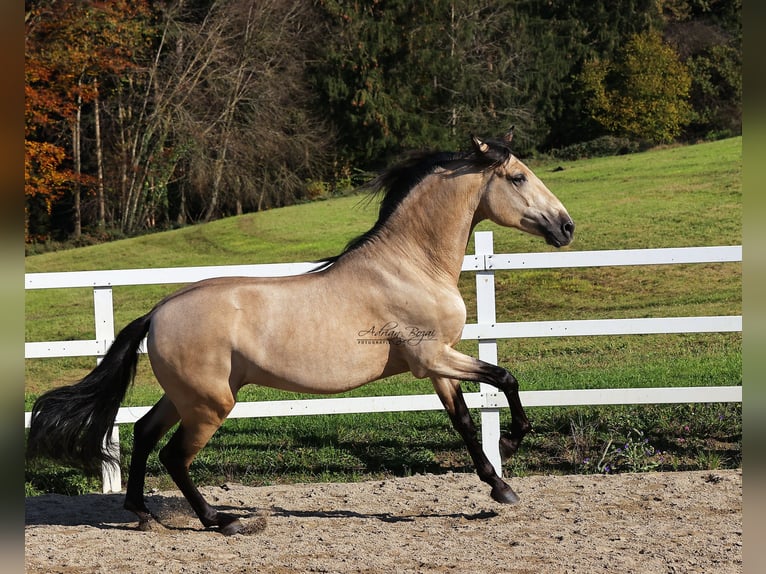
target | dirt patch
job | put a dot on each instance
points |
(655, 522)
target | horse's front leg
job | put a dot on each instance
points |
(520, 425)
(451, 395)
(453, 364)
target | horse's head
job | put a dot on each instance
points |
(515, 197)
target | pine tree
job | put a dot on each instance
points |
(400, 75)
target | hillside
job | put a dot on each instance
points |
(680, 196)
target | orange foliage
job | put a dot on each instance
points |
(43, 172)
(70, 44)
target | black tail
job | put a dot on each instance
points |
(69, 423)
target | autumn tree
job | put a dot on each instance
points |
(189, 110)
(73, 48)
(642, 94)
(46, 105)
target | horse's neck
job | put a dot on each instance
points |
(432, 226)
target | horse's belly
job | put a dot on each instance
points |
(315, 363)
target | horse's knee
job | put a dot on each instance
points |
(463, 422)
(500, 378)
(168, 458)
(508, 382)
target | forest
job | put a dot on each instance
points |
(145, 115)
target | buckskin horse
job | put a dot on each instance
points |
(395, 285)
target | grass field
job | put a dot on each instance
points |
(674, 197)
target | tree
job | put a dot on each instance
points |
(46, 175)
(195, 107)
(643, 94)
(557, 37)
(219, 119)
(708, 38)
(71, 46)
(242, 108)
(397, 75)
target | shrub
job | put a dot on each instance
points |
(599, 147)
(643, 94)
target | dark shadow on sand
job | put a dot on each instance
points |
(382, 516)
(105, 511)
(98, 510)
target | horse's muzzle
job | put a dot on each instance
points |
(560, 235)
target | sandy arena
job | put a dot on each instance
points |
(650, 523)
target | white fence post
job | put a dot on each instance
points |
(485, 313)
(110, 472)
(104, 315)
(103, 311)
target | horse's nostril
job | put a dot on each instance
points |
(568, 228)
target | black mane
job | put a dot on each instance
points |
(398, 181)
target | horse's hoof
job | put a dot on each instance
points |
(147, 525)
(232, 527)
(504, 495)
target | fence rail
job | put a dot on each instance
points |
(486, 331)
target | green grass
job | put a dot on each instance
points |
(674, 197)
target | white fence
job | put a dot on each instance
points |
(486, 331)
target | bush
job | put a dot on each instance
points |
(643, 93)
(599, 147)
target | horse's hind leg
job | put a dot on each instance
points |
(147, 432)
(177, 456)
(452, 398)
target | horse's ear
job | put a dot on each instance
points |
(480, 146)
(492, 152)
(508, 137)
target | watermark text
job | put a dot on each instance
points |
(391, 333)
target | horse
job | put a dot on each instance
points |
(387, 304)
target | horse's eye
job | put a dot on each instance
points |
(516, 179)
